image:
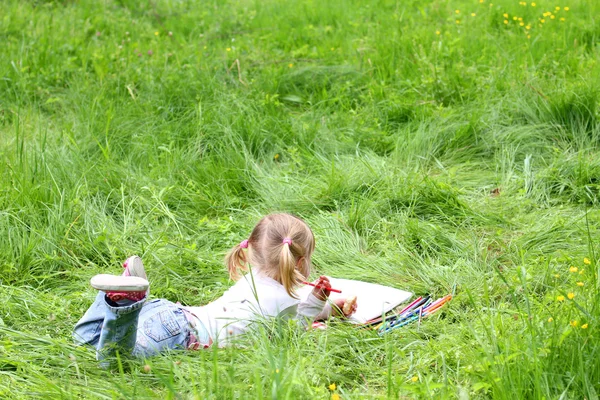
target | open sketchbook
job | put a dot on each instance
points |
(373, 300)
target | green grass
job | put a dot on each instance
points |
(426, 154)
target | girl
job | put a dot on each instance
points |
(278, 249)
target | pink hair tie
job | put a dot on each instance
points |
(288, 241)
(244, 244)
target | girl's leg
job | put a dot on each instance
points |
(119, 330)
(87, 330)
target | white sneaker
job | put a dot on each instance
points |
(115, 283)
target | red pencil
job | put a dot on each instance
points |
(323, 287)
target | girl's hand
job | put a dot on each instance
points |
(322, 293)
(338, 307)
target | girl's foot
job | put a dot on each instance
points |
(117, 288)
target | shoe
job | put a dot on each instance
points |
(118, 288)
(134, 267)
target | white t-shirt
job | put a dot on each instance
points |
(252, 298)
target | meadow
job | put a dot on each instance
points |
(437, 146)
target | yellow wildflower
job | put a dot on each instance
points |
(560, 298)
(335, 396)
(505, 21)
(557, 8)
(542, 20)
(458, 21)
(332, 387)
(481, 1)
(457, 11)
(515, 18)
(581, 272)
(584, 326)
(586, 260)
(528, 27)
(290, 65)
(473, 14)
(505, 15)
(437, 32)
(573, 269)
(562, 20)
(520, 18)
(533, 4)
(414, 378)
(277, 371)
(156, 33)
(228, 49)
(571, 295)
(528, 36)
(566, 8)
(552, 17)
(574, 323)
(523, 23)
(580, 283)
(550, 319)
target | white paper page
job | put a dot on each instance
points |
(373, 300)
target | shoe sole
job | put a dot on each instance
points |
(135, 266)
(114, 283)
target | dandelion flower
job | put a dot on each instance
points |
(290, 65)
(533, 4)
(528, 36)
(521, 24)
(515, 18)
(414, 378)
(505, 21)
(580, 283)
(557, 8)
(586, 260)
(228, 49)
(457, 11)
(505, 15)
(573, 269)
(335, 396)
(580, 272)
(560, 298)
(458, 21)
(156, 33)
(528, 27)
(332, 387)
(566, 8)
(584, 326)
(571, 295)
(437, 32)
(562, 20)
(574, 323)
(550, 319)
(473, 14)
(520, 18)
(481, 1)
(277, 371)
(552, 17)
(542, 20)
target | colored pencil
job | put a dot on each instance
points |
(322, 287)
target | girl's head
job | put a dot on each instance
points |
(280, 247)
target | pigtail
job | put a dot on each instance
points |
(236, 260)
(290, 277)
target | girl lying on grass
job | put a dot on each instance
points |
(278, 249)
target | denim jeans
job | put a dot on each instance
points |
(143, 329)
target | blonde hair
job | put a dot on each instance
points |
(287, 263)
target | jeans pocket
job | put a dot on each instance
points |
(162, 325)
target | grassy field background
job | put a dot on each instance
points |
(432, 145)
